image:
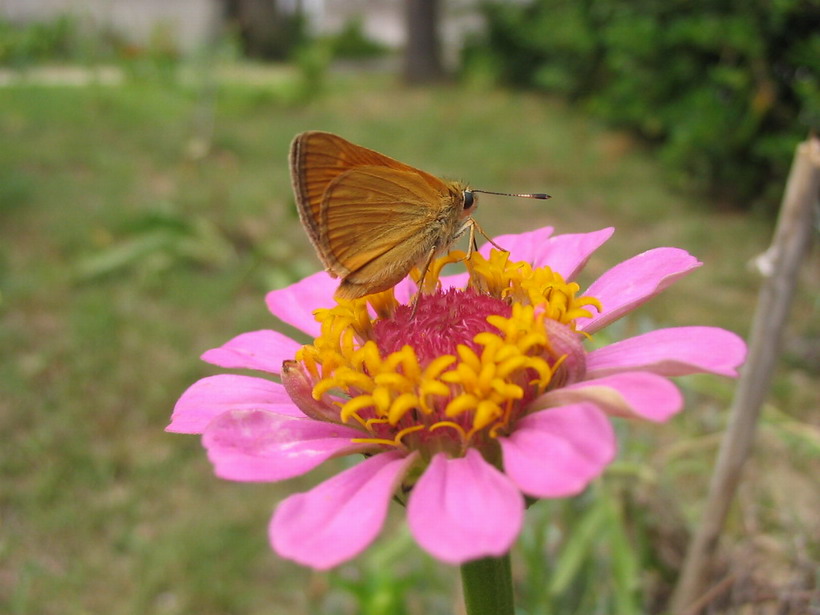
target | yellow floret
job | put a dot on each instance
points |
(396, 397)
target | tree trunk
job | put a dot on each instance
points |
(267, 31)
(422, 53)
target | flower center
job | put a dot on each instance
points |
(442, 321)
(458, 372)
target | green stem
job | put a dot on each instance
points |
(488, 586)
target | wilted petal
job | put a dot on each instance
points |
(634, 281)
(296, 303)
(463, 509)
(556, 453)
(338, 519)
(255, 445)
(299, 385)
(208, 398)
(263, 350)
(630, 395)
(672, 352)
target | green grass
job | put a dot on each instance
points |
(123, 255)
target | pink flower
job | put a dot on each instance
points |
(484, 396)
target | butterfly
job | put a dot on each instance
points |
(372, 218)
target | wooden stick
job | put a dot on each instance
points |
(711, 595)
(789, 247)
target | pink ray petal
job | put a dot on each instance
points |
(255, 445)
(264, 350)
(404, 290)
(629, 394)
(555, 453)
(521, 246)
(457, 280)
(296, 303)
(567, 254)
(463, 509)
(339, 518)
(634, 281)
(208, 398)
(672, 352)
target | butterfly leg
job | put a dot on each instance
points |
(471, 243)
(424, 270)
(476, 227)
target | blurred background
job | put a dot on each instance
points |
(145, 210)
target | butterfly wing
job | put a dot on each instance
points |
(317, 159)
(379, 222)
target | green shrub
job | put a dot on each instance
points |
(353, 43)
(21, 45)
(66, 39)
(726, 88)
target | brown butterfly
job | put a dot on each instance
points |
(372, 218)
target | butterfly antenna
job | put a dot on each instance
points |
(535, 195)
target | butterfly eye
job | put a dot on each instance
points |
(469, 199)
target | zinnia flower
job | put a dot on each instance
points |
(481, 398)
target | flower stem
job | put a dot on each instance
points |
(488, 586)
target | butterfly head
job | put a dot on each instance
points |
(464, 198)
(470, 200)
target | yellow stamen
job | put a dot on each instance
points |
(374, 441)
(355, 405)
(400, 436)
(456, 426)
(476, 391)
(461, 404)
(403, 403)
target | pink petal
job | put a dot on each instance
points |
(522, 246)
(567, 254)
(630, 395)
(255, 445)
(672, 352)
(296, 303)
(263, 350)
(405, 289)
(463, 509)
(457, 280)
(338, 519)
(403, 292)
(555, 453)
(208, 398)
(634, 281)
